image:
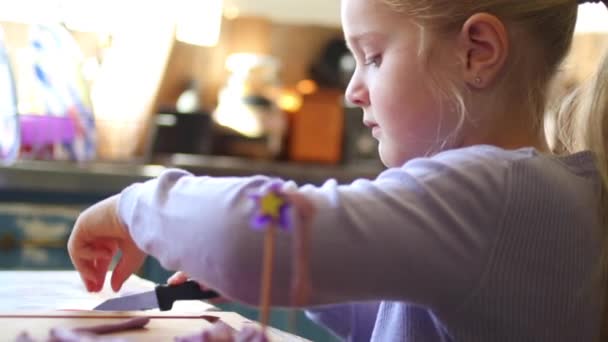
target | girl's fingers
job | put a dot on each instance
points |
(88, 274)
(177, 278)
(91, 260)
(101, 267)
(180, 277)
(130, 261)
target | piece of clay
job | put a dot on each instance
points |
(89, 334)
(222, 332)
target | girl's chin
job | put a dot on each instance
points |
(389, 158)
(395, 158)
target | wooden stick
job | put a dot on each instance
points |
(301, 286)
(267, 268)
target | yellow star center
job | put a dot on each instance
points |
(271, 205)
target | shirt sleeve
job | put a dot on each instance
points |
(351, 322)
(419, 234)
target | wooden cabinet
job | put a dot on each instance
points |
(317, 129)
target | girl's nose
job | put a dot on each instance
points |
(356, 92)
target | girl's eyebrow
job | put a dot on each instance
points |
(362, 38)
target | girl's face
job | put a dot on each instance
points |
(390, 83)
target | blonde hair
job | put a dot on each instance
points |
(548, 25)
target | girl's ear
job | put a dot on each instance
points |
(483, 45)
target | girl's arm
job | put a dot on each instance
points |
(419, 234)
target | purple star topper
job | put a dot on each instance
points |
(271, 208)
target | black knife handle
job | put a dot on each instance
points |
(167, 294)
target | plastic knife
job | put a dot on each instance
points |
(162, 297)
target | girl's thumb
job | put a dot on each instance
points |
(177, 278)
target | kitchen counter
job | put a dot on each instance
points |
(98, 178)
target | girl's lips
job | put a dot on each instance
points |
(370, 124)
(374, 127)
(376, 131)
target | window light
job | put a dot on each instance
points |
(592, 18)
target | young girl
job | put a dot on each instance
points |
(476, 232)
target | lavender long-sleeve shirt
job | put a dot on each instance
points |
(474, 244)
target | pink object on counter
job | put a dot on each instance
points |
(39, 130)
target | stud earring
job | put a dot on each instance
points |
(477, 80)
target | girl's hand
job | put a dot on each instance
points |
(181, 277)
(97, 236)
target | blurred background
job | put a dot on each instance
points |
(135, 81)
(97, 94)
(159, 81)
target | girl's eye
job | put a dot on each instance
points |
(374, 60)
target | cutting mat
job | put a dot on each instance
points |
(162, 326)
